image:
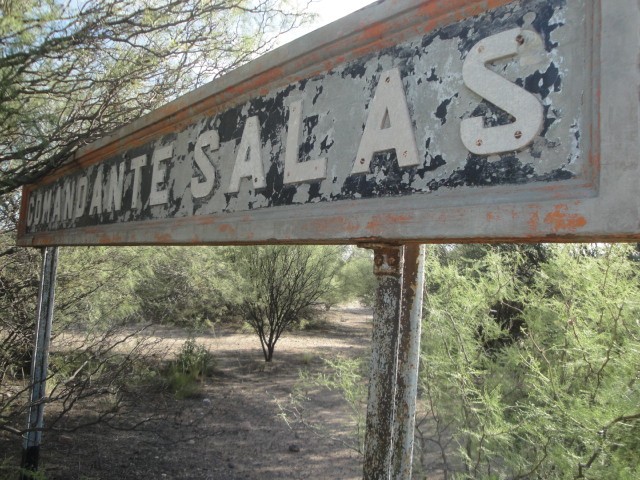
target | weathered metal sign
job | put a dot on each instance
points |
(409, 120)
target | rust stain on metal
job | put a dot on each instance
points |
(458, 9)
(561, 220)
(375, 32)
(408, 361)
(382, 377)
(227, 229)
(107, 239)
(163, 237)
(335, 224)
(534, 221)
(380, 222)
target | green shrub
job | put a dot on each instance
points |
(194, 359)
(345, 376)
(187, 286)
(192, 365)
(546, 388)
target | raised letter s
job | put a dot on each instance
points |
(507, 96)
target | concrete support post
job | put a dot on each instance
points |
(408, 361)
(382, 376)
(40, 361)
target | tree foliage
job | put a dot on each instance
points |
(558, 399)
(355, 280)
(18, 289)
(186, 286)
(281, 284)
(71, 72)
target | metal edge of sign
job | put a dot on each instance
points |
(573, 211)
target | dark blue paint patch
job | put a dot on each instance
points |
(309, 139)
(547, 122)
(309, 123)
(492, 115)
(441, 111)
(542, 23)
(355, 69)
(302, 84)
(276, 192)
(385, 181)
(433, 164)
(319, 89)
(314, 192)
(543, 83)
(325, 145)
(480, 172)
(433, 77)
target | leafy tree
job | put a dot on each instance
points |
(189, 286)
(560, 400)
(529, 365)
(71, 72)
(18, 289)
(281, 284)
(355, 280)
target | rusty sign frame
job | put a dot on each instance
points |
(598, 203)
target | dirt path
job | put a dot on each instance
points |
(234, 427)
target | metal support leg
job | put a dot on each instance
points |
(382, 377)
(40, 362)
(408, 361)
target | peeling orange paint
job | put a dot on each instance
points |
(534, 221)
(380, 222)
(458, 8)
(374, 32)
(163, 237)
(561, 220)
(226, 228)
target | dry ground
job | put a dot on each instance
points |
(233, 428)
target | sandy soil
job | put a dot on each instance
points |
(233, 428)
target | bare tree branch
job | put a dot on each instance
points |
(73, 72)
